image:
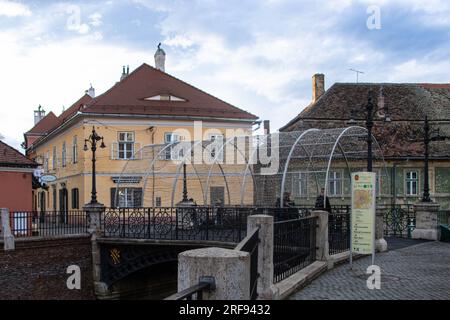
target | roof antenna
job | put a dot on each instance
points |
(357, 74)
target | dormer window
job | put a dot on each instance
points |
(165, 97)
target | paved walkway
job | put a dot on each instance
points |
(417, 272)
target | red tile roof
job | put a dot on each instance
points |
(128, 97)
(408, 104)
(10, 157)
(48, 123)
(77, 106)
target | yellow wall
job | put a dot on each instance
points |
(78, 175)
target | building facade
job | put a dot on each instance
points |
(400, 139)
(138, 118)
(16, 176)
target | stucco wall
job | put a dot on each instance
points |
(16, 191)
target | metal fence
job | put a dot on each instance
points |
(226, 224)
(193, 293)
(338, 232)
(292, 213)
(444, 217)
(399, 220)
(294, 246)
(250, 245)
(48, 223)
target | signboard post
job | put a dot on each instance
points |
(363, 215)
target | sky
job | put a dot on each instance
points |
(257, 55)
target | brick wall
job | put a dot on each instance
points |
(37, 269)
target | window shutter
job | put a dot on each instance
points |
(114, 149)
(113, 197)
(137, 197)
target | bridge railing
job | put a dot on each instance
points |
(48, 223)
(195, 292)
(399, 220)
(294, 246)
(250, 244)
(338, 232)
(443, 217)
(226, 224)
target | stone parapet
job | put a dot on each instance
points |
(266, 288)
(229, 268)
(426, 221)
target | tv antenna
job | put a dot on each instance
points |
(357, 73)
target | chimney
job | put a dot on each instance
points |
(91, 92)
(39, 114)
(266, 126)
(318, 82)
(160, 59)
(124, 74)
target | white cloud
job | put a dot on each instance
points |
(13, 9)
(179, 41)
(96, 19)
(55, 74)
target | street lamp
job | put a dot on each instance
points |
(429, 136)
(371, 111)
(185, 193)
(92, 140)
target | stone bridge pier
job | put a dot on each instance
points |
(135, 268)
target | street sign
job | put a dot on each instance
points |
(363, 213)
(48, 178)
(38, 172)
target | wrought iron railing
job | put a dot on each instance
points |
(297, 212)
(250, 245)
(227, 224)
(294, 246)
(48, 223)
(443, 217)
(195, 292)
(338, 232)
(399, 220)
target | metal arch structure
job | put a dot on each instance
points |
(165, 147)
(215, 161)
(334, 138)
(338, 144)
(309, 154)
(283, 181)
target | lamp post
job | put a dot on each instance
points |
(92, 140)
(428, 136)
(370, 113)
(185, 193)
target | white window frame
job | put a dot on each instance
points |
(128, 192)
(127, 142)
(332, 179)
(409, 181)
(302, 179)
(171, 137)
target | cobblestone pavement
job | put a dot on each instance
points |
(418, 272)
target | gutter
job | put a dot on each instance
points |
(124, 115)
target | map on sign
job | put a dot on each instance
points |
(363, 212)
(363, 199)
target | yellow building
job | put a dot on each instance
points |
(137, 118)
